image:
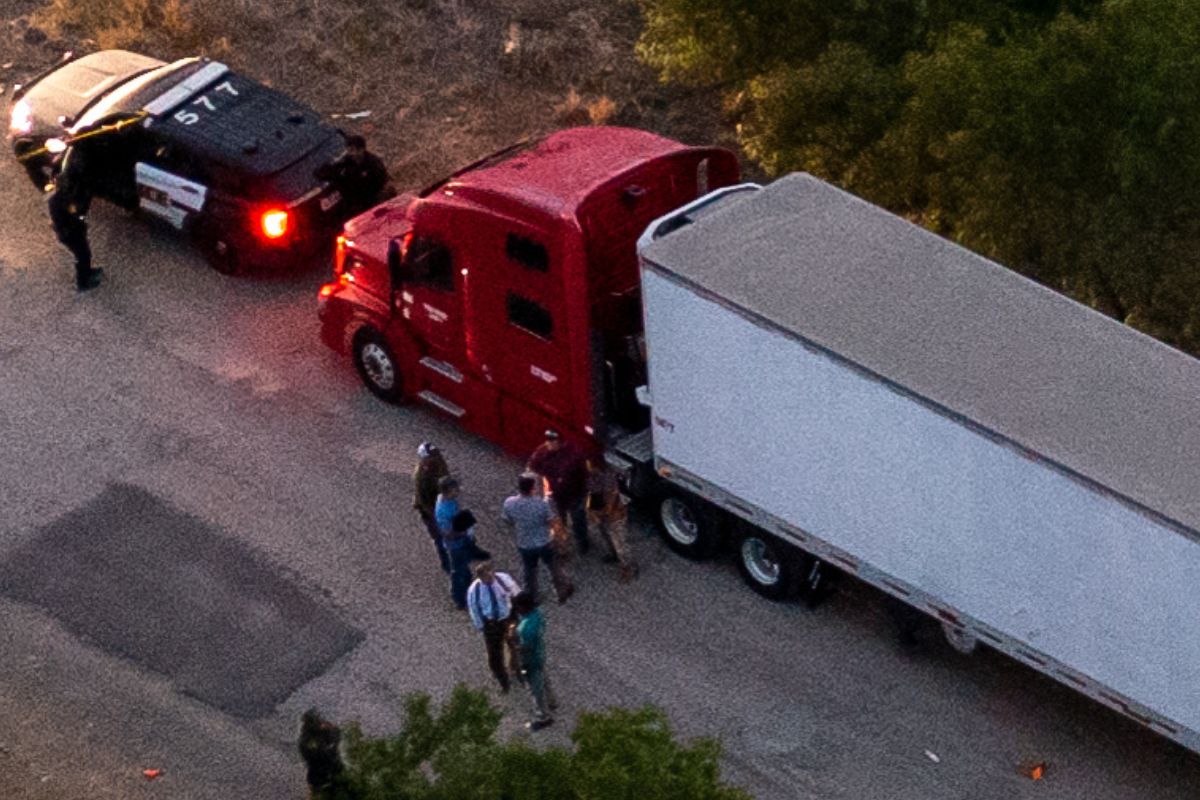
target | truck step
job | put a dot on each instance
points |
(437, 401)
(638, 447)
(442, 368)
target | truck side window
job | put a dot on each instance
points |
(529, 316)
(526, 252)
(429, 262)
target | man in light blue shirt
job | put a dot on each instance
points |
(489, 600)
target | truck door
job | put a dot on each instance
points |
(520, 331)
(429, 298)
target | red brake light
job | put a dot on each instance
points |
(274, 223)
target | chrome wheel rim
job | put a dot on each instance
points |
(679, 521)
(378, 366)
(760, 561)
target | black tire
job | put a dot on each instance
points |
(769, 567)
(690, 526)
(377, 366)
(222, 255)
(37, 168)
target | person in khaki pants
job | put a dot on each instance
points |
(608, 512)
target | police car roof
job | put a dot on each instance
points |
(253, 129)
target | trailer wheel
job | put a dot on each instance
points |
(377, 366)
(960, 639)
(690, 526)
(767, 565)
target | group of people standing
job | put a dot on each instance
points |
(560, 489)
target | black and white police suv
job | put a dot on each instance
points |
(211, 153)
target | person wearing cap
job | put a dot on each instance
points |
(359, 175)
(489, 600)
(431, 468)
(563, 466)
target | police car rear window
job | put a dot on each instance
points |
(242, 124)
(135, 93)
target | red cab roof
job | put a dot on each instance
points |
(557, 173)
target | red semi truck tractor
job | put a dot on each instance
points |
(507, 295)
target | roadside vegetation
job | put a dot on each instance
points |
(452, 754)
(1059, 137)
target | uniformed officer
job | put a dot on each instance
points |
(359, 175)
(69, 202)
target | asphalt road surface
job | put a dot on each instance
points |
(205, 529)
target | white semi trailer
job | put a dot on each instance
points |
(828, 380)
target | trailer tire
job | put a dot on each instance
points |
(960, 639)
(768, 566)
(690, 526)
(377, 366)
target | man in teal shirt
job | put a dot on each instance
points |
(531, 638)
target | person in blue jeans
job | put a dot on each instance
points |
(461, 548)
(446, 509)
(531, 639)
(529, 516)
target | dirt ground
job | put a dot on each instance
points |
(444, 81)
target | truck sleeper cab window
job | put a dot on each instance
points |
(526, 252)
(529, 316)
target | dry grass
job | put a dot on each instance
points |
(131, 23)
(445, 81)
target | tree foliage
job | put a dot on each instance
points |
(454, 754)
(1056, 136)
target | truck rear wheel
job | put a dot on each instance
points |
(767, 565)
(377, 366)
(691, 526)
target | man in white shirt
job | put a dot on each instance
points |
(489, 601)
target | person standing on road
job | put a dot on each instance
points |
(529, 517)
(564, 468)
(531, 638)
(359, 175)
(607, 510)
(462, 550)
(431, 468)
(69, 201)
(319, 747)
(444, 511)
(489, 600)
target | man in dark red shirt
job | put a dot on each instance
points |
(564, 468)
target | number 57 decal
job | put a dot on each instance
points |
(187, 117)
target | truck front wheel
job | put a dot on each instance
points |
(377, 366)
(690, 526)
(767, 565)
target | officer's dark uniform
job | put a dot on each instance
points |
(68, 205)
(361, 181)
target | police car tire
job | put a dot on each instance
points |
(374, 360)
(222, 256)
(34, 172)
